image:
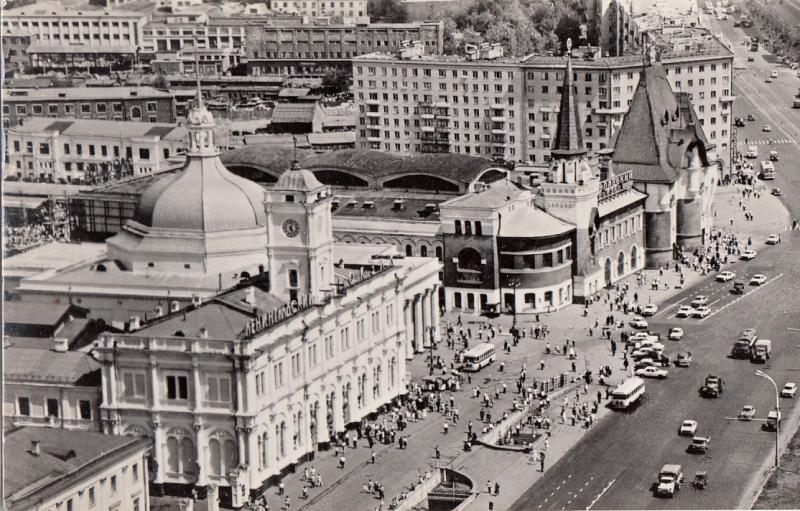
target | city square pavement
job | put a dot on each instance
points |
(397, 468)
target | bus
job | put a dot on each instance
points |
(478, 357)
(627, 393)
(754, 44)
(767, 170)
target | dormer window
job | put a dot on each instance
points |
(290, 198)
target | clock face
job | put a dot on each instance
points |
(291, 228)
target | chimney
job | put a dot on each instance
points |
(204, 333)
(250, 296)
(135, 323)
(159, 311)
(197, 300)
(60, 344)
(36, 448)
(174, 306)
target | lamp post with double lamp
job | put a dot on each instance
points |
(777, 410)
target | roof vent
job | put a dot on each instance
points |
(134, 93)
(249, 296)
(62, 94)
(159, 311)
(352, 203)
(204, 333)
(174, 306)
(36, 448)
(368, 204)
(399, 205)
(60, 344)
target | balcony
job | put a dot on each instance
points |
(442, 128)
(373, 101)
(498, 118)
(373, 139)
(611, 111)
(373, 114)
(427, 116)
(498, 141)
(498, 131)
(727, 99)
(427, 129)
(53, 422)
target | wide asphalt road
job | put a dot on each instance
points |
(616, 465)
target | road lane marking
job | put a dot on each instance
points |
(742, 296)
(670, 306)
(601, 494)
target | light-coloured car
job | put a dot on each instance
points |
(638, 322)
(773, 239)
(758, 279)
(700, 300)
(773, 73)
(652, 372)
(789, 390)
(748, 255)
(752, 151)
(684, 359)
(675, 333)
(640, 336)
(747, 413)
(701, 312)
(700, 444)
(725, 276)
(684, 311)
(688, 428)
(650, 309)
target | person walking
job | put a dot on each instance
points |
(496, 488)
(372, 457)
(342, 461)
(541, 462)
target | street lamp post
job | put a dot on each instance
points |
(431, 349)
(777, 409)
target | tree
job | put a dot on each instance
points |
(387, 11)
(568, 28)
(336, 80)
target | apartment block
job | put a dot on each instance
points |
(321, 8)
(440, 104)
(304, 49)
(391, 90)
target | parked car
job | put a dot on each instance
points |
(773, 239)
(669, 480)
(675, 333)
(747, 413)
(688, 428)
(725, 276)
(684, 311)
(748, 255)
(652, 372)
(684, 359)
(758, 279)
(650, 309)
(700, 300)
(638, 322)
(789, 390)
(701, 312)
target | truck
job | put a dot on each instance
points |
(744, 344)
(761, 350)
(669, 480)
(773, 420)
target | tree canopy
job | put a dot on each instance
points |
(387, 11)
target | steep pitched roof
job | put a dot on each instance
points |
(49, 366)
(569, 135)
(657, 131)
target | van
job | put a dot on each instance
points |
(761, 350)
(796, 103)
(773, 420)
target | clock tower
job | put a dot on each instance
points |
(300, 236)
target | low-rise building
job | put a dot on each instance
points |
(353, 10)
(86, 150)
(66, 470)
(144, 104)
(311, 49)
(50, 387)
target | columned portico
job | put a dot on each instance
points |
(418, 324)
(426, 319)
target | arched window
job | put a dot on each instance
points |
(263, 459)
(280, 433)
(478, 229)
(297, 431)
(136, 113)
(173, 458)
(409, 250)
(458, 226)
(362, 390)
(621, 264)
(468, 228)
(392, 371)
(376, 381)
(439, 253)
(634, 258)
(231, 456)
(215, 457)
(423, 251)
(188, 462)
(469, 259)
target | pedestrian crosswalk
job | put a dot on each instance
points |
(766, 141)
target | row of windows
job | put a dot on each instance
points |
(536, 261)
(427, 71)
(397, 147)
(619, 231)
(52, 408)
(76, 503)
(92, 150)
(67, 24)
(86, 37)
(176, 387)
(85, 108)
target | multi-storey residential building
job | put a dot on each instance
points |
(301, 49)
(15, 51)
(113, 103)
(75, 150)
(53, 388)
(64, 36)
(431, 104)
(355, 10)
(75, 470)
(694, 61)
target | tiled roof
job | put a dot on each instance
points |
(655, 132)
(33, 313)
(48, 366)
(293, 112)
(62, 453)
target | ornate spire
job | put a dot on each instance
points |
(569, 134)
(199, 102)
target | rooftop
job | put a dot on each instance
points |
(31, 364)
(50, 9)
(438, 59)
(83, 93)
(293, 112)
(63, 454)
(370, 206)
(81, 48)
(101, 128)
(495, 196)
(24, 313)
(51, 256)
(527, 220)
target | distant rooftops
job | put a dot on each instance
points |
(57, 9)
(83, 93)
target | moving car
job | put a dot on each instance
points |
(768, 80)
(766, 128)
(773, 239)
(684, 311)
(684, 359)
(751, 117)
(789, 390)
(688, 428)
(668, 480)
(700, 300)
(700, 444)
(750, 58)
(747, 413)
(638, 322)
(738, 288)
(773, 73)
(748, 255)
(652, 372)
(650, 309)
(675, 333)
(739, 122)
(701, 312)
(776, 192)
(752, 152)
(706, 391)
(726, 276)
(758, 279)
(712, 386)
(773, 156)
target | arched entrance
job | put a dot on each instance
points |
(608, 272)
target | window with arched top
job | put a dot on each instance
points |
(469, 259)
(136, 113)
(423, 251)
(409, 250)
(438, 251)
